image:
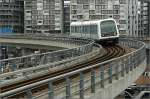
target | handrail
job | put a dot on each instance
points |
(130, 61)
(46, 67)
(86, 46)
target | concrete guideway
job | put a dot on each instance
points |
(141, 94)
(82, 50)
(40, 43)
(34, 44)
(124, 69)
(32, 72)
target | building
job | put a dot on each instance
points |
(145, 26)
(43, 16)
(144, 20)
(11, 16)
(132, 18)
(67, 16)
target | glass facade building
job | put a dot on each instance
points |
(11, 16)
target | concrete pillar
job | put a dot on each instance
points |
(147, 71)
(148, 57)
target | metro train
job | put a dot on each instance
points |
(101, 31)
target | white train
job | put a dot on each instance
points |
(100, 30)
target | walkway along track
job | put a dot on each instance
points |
(111, 52)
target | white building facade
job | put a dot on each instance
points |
(43, 16)
(132, 18)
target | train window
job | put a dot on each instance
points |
(108, 28)
(75, 29)
(71, 29)
(93, 29)
(84, 29)
(80, 29)
(88, 29)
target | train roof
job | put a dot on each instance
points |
(90, 22)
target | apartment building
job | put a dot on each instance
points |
(144, 27)
(132, 18)
(11, 16)
(144, 20)
(66, 16)
(43, 16)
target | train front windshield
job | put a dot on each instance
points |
(108, 28)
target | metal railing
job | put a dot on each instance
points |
(31, 72)
(98, 76)
(13, 64)
(143, 87)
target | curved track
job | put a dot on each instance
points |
(111, 52)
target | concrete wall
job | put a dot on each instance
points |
(43, 44)
(112, 90)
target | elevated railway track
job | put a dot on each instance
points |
(110, 52)
(83, 77)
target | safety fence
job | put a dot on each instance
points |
(87, 80)
(13, 64)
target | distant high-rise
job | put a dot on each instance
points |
(132, 18)
(11, 16)
(67, 16)
(43, 16)
(144, 19)
(144, 28)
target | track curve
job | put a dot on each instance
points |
(111, 52)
